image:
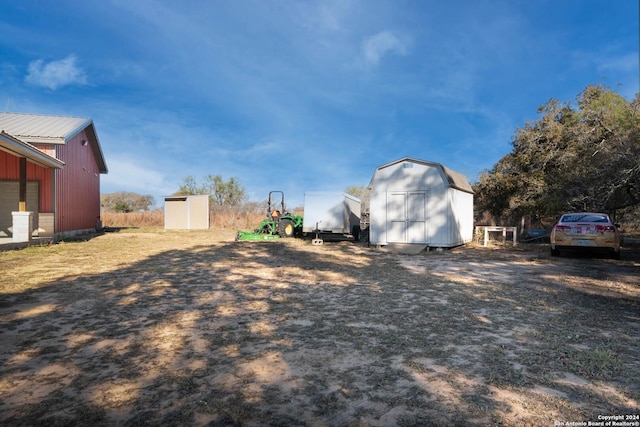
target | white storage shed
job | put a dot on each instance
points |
(419, 202)
(186, 212)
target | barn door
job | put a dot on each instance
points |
(10, 200)
(407, 217)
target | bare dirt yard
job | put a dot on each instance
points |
(191, 328)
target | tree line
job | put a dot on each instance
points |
(574, 157)
(125, 201)
(222, 194)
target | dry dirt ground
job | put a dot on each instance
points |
(191, 328)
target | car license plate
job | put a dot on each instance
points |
(583, 230)
(583, 242)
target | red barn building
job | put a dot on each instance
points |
(51, 166)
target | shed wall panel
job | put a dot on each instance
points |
(461, 219)
(199, 212)
(175, 214)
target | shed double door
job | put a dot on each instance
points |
(407, 217)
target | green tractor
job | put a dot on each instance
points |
(278, 223)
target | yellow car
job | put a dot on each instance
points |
(585, 231)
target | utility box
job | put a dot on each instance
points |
(331, 212)
(186, 212)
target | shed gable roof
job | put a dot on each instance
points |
(45, 129)
(455, 179)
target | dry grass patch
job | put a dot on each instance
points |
(180, 328)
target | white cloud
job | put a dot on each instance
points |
(56, 74)
(625, 63)
(378, 45)
(126, 174)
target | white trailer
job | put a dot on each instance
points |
(331, 212)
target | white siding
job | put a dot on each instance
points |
(460, 217)
(414, 203)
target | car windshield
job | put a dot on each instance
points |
(584, 218)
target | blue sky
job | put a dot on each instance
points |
(306, 95)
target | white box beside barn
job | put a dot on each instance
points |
(186, 212)
(419, 202)
(333, 212)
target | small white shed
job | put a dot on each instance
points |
(418, 202)
(186, 212)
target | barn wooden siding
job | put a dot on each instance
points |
(77, 186)
(10, 171)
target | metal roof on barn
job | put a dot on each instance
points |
(36, 128)
(46, 129)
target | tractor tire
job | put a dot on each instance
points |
(286, 228)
